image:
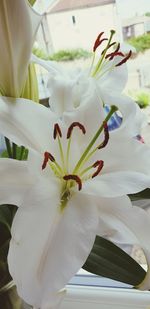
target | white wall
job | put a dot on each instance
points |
(89, 23)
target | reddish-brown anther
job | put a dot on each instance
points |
(125, 59)
(57, 131)
(99, 41)
(73, 125)
(115, 53)
(75, 178)
(106, 137)
(47, 156)
(99, 164)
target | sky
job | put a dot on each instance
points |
(129, 8)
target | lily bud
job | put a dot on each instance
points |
(18, 26)
(30, 90)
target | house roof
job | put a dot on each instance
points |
(69, 5)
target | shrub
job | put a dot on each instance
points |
(141, 43)
(141, 98)
(63, 55)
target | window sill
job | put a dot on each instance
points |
(88, 291)
(86, 297)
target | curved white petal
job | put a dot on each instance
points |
(133, 118)
(131, 222)
(116, 184)
(113, 80)
(18, 25)
(51, 66)
(27, 123)
(91, 115)
(125, 154)
(15, 181)
(48, 246)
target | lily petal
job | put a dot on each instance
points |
(133, 118)
(16, 44)
(122, 218)
(127, 154)
(116, 184)
(113, 81)
(49, 246)
(15, 181)
(19, 125)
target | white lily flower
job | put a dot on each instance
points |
(79, 176)
(18, 27)
(109, 75)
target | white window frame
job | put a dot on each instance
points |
(88, 291)
(85, 297)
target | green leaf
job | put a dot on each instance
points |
(19, 154)
(4, 252)
(7, 213)
(145, 194)
(4, 272)
(5, 216)
(31, 2)
(108, 260)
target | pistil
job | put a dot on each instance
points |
(98, 66)
(87, 150)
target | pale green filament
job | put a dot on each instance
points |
(68, 152)
(85, 170)
(61, 154)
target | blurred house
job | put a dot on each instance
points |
(133, 27)
(76, 23)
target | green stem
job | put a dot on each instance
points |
(112, 110)
(8, 146)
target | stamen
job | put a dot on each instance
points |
(106, 137)
(110, 45)
(99, 41)
(73, 125)
(99, 165)
(47, 156)
(115, 53)
(75, 178)
(57, 131)
(100, 62)
(125, 59)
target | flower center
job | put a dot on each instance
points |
(81, 171)
(106, 56)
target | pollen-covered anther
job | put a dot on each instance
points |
(125, 59)
(47, 156)
(99, 41)
(99, 164)
(106, 137)
(57, 131)
(75, 178)
(115, 53)
(73, 125)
